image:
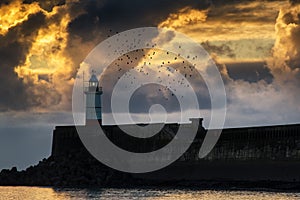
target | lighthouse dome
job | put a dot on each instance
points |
(93, 78)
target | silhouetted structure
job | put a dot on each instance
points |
(250, 153)
(251, 157)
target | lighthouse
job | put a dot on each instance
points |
(93, 92)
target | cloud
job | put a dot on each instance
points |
(294, 2)
(184, 17)
(246, 29)
(220, 50)
(53, 37)
(50, 32)
(285, 64)
(149, 64)
(40, 67)
(47, 5)
(50, 39)
(14, 13)
(286, 49)
(13, 48)
(275, 101)
(232, 20)
(251, 72)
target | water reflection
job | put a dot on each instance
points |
(37, 193)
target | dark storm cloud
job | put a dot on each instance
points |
(103, 19)
(251, 72)
(223, 49)
(141, 103)
(115, 16)
(5, 2)
(47, 5)
(11, 88)
(142, 13)
(294, 2)
(243, 11)
(13, 92)
(151, 94)
(96, 19)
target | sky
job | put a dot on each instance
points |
(255, 45)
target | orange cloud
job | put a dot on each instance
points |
(247, 28)
(48, 69)
(16, 13)
(46, 54)
(286, 53)
(185, 16)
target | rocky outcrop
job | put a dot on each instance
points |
(74, 170)
(77, 171)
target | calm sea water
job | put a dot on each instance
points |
(32, 193)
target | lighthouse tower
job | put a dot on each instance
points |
(93, 94)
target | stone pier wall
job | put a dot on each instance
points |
(255, 143)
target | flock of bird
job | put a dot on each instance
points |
(163, 69)
(164, 64)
